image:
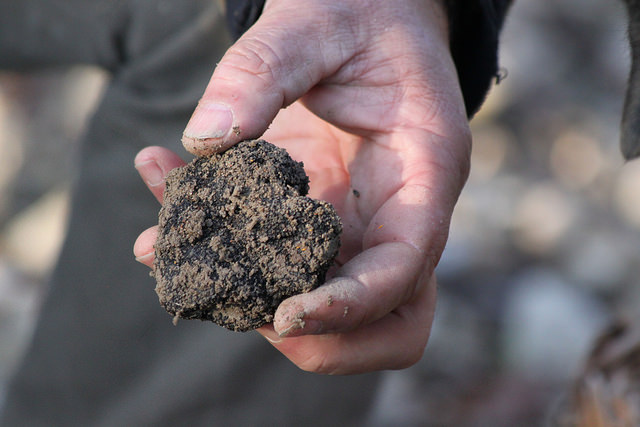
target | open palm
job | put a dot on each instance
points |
(382, 133)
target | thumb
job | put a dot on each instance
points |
(287, 52)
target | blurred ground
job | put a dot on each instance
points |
(545, 242)
(544, 245)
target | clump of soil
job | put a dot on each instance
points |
(237, 236)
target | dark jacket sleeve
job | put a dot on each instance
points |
(474, 27)
(474, 30)
(241, 14)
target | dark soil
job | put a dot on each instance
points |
(237, 236)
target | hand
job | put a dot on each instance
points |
(379, 122)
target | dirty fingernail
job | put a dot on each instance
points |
(300, 327)
(210, 120)
(150, 173)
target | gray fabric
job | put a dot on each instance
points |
(104, 353)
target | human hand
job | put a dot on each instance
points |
(380, 125)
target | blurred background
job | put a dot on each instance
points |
(545, 242)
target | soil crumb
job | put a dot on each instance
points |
(237, 236)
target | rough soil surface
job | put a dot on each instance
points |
(237, 236)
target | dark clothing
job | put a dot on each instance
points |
(242, 14)
(474, 31)
(104, 352)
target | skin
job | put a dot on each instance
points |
(373, 105)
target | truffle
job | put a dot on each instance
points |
(237, 235)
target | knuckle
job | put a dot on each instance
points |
(253, 57)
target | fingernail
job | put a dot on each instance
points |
(210, 120)
(272, 337)
(144, 259)
(150, 173)
(299, 327)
